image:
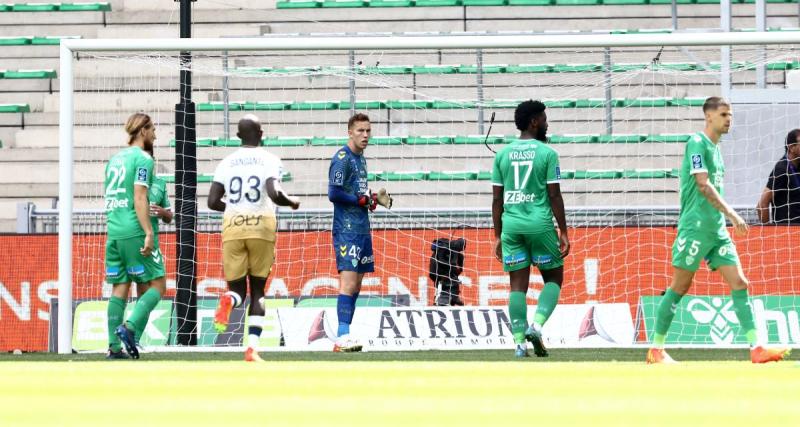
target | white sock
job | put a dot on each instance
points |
(254, 339)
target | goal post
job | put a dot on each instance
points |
(449, 122)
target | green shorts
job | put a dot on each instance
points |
(124, 263)
(522, 250)
(690, 247)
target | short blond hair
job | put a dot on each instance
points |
(136, 122)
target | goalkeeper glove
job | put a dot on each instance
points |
(369, 201)
(384, 199)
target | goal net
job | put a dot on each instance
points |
(618, 117)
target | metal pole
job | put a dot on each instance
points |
(479, 62)
(674, 10)
(186, 194)
(607, 87)
(725, 51)
(226, 113)
(65, 203)
(761, 25)
(352, 65)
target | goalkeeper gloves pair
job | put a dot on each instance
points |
(372, 200)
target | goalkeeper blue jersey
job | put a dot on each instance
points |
(349, 172)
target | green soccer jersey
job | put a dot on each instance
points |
(157, 195)
(697, 214)
(126, 169)
(524, 168)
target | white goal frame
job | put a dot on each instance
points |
(69, 47)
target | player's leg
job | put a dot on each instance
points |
(725, 260)
(141, 288)
(145, 270)
(261, 255)
(548, 300)
(117, 275)
(353, 258)
(517, 263)
(234, 265)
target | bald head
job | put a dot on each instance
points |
(250, 130)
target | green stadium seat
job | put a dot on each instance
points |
(780, 65)
(313, 105)
(621, 138)
(501, 103)
(647, 173)
(530, 2)
(34, 7)
(344, 3)
(374, 176)
(667, 137)
(577, 2)
(484, 175)
(573, 139)
(201, 142)
(675, 67)
(618, 68)
(14, 41)
(404, 176)
(576, 68)
(452, 176)
(337, 141)
(201, 177)
(687, 102)
(391, 3)
(453, 104)
(298, 4)
(51, 40)
(85, 7)
(285, 141)
(434, 69)
(478, 139)
(559, 103)
(386, 140)
(231, 142)
(484, 2)
(530, 68)
(678, 1)
(5, 7)
(386, 69)
(487, 69)
(597, 174)
(567, 174)
(626, 2)
(15, 108)
(593, 103)
(428, 140)
(645, 102)
(219, 106)
(28, 74)
(265, 106)
(429, 3)
(363, 105)
(407, 104)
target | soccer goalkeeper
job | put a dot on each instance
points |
(702, 235)
(352, 243)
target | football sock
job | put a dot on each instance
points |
(256, 324)
(518, 311)
(741, 306)
(664, 314)
(548, 300)
(345, 306)
(115, 312)
(237, 300)
(141, 313)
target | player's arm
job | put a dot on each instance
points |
(710, 193)
(557, 206)
(497, 219)
(762, 208)
(142, 207)
(337, 175)
(276, 193)
(215, 197)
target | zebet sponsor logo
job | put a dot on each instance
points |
(112, 204)
(433, 327)
(516, 197)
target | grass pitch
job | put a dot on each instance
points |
(400, 389)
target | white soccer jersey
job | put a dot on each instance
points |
(249, 212)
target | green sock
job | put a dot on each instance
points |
(518, 311)
(664, 315)
(116, 310)
(141, 313)
(548, 300)
(744, 312)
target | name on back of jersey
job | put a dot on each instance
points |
(516, 197)
(521, 155)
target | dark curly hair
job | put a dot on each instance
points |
(526, 112)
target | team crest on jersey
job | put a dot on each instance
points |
(697, 161)
(141, 174)
(341, 154)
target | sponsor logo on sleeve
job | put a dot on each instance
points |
(338, 177)
(697, 161)
(558, 172)
(141, 174)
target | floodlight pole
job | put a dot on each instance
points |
(186, 194)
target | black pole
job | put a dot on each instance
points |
(186, 194)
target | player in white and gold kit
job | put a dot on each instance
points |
(249, 180)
